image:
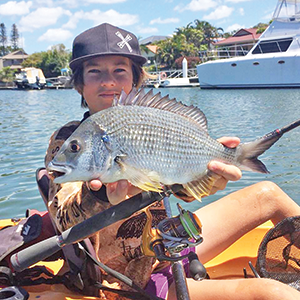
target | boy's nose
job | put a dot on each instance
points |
(107, 79)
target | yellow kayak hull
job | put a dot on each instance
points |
(229, 264)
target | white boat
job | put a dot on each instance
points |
(273, 62)
(185, 78)
(180, 82)
(30, 78)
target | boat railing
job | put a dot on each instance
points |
(225, 52)
(162, 75)
(59, 82)
(166, 74)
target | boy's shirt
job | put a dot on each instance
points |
(118, 245)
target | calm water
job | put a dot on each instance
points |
(28, 118)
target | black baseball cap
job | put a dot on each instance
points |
(105, 39)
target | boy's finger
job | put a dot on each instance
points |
(229, 172)
(230, 142)
(117, 191)
(95, 184)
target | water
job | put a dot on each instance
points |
(28, 118)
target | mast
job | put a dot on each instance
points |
(287, 9)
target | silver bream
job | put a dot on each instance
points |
(152, 142)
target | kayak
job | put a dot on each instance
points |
(229, 264)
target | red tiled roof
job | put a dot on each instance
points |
(241, 36)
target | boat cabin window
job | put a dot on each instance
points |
(272, 46)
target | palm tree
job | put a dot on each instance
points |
(210, 32)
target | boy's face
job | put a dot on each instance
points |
(104, 77)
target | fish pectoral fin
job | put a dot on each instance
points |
(146, 181)
(201, 187)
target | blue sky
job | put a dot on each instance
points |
(43, 23)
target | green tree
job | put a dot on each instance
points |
(165, 52)
(14, 37)
(186, 42)
(210, 32)
(7, 74)
(33, 60)
(181, 44)
(261, 27)
(51, 61)
(3, 39)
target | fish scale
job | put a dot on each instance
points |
(182, 148)
(153, 141)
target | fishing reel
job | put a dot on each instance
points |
(171, 236)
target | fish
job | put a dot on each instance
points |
(153, 142)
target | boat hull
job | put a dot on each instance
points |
(259, 72)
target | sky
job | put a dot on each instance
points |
(44, 23)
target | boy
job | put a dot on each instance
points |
(105, 61)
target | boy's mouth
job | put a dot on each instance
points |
(109, 94)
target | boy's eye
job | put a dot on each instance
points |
(93, 71)
(119, 70)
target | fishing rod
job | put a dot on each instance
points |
(40, 251)
(182, 291)
(172, 235)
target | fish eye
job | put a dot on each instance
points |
(105, 138)
(74, 146)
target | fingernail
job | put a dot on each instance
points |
(212, 166)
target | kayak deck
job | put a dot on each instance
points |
(229, 264)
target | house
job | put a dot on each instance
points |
(13, 60)
(147, 49)
(239, 44)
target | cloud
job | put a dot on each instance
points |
(104, 1)
(220, 13)
(147, 30)
(234, 27)
(55, 3)
(98, 17)
(111, 16)
(236, 1)
(42, 17)
(164, 21)
(55, 35)
(45, 3)
(74, 19)
(197, 5)
(15, 8)
(241, 11)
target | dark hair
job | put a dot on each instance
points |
(139, 75)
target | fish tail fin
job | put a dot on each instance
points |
(248, 153)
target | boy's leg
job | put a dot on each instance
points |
(237, 289)
(229, 218)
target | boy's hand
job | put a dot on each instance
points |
(227, 172)
(116, 191)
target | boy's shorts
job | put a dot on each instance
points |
(161, 281)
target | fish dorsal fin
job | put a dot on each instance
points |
(141, 98)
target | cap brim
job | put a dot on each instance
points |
(78, 61)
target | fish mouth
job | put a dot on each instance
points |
(58, 172)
